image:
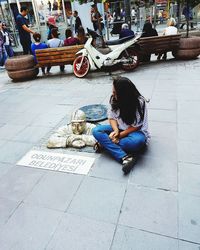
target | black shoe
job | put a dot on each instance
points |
(62, 68)
(128, 163)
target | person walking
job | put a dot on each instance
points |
(96, 19)
(187, 12)
(3, 54)
(78, 22)
(8, 39)
(127, 132)
(38, 45)
(24, 30)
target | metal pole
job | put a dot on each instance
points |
(13, 24)
(35, 10)
(18, 5)
(64, 12)
(127, 12)
(154, 19)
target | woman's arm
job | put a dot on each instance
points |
(129, 130)
(27, 29)
(114, 125)
(115, 128)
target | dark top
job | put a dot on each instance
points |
(187, 12)
(78, 23)
(125, 33)
(153, 32)
(23, 34)
(96, 16)
(71, 41)
(148, 30)
(50, 27)
(37, 46)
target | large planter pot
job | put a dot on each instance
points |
(189, 48)
(21, 67)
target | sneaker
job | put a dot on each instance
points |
(97, 147)
(128, 163)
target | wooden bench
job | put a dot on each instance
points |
(57, 56)
(157, 44)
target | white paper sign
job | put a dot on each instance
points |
(57, 162)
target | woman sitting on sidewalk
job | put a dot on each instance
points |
(128, 129)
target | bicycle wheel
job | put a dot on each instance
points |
(81, 66)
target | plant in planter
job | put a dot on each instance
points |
(189, 46)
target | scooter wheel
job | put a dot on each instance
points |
(132, 60)
(81, 66)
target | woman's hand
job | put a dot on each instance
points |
(114, 136)
(115, 140)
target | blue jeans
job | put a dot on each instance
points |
(9, 50)
(3, 57)
(129, 144)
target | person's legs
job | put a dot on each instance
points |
(133, 142)
(25, 48)
(26, 45)
(182, 25)
(62, 68)
(159, 56)
(101, 134)
(48, 69)
(3, 57)
(9, 50)
(43, 70)
(164, 57)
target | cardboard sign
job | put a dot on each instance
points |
(57, 162)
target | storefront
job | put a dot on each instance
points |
(40, 10)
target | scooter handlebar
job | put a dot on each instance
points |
(92, 33)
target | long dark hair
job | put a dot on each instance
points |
(128, 100)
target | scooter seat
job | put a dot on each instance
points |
(119, 41)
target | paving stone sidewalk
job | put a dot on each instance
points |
(156, 207)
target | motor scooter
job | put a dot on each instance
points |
(116, 52)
